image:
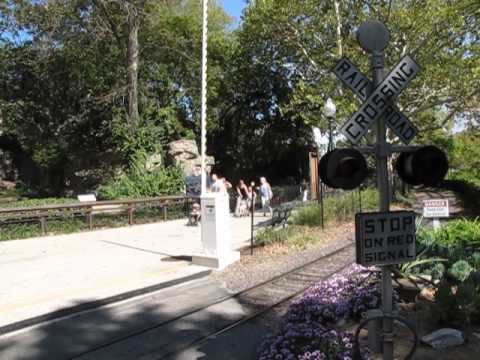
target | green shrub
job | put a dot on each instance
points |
(138, 182)
(310, 216)
(458, 304)
(299, 236)
(457, 298)
(454, 249)
(459, 232)
(461, 270)
(38, 202)
(341, 207)
(19, 231)
(456, 240)
(271, 235)
(466, 176)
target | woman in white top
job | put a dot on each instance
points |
(266, 195)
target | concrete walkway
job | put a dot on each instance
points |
(47, 274)
(172, 323)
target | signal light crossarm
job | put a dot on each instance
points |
(388, 149)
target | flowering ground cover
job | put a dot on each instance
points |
(309, 329)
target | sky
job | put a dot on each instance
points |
(234, 8)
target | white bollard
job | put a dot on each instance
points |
(217, 250)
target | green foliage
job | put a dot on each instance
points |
(38, 202)
(298, 236)
(457, 240)
(138, 182)
(272, 236)
(451, 255)
(459, 232)
(71, 224)
(19, 231)
(453, 243)
(341, 207)
(63, 87)
(437, 271)
(309, 216)
(458, 304)
(65, 94)
(461, 270)
(464, 157)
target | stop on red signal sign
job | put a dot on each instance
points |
(385, 238)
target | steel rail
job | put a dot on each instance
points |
(226, 298)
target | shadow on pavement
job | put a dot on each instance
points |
(146, 331)
(171, 258)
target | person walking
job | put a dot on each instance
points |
(304, 190)
(266, 195)
(241, 207)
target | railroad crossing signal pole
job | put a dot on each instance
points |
(380, 238)
(374, 37)
(383, 189)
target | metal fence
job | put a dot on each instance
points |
(161, 208)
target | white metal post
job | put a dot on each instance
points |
(203, 135)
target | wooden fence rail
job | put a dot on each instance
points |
(41, 214)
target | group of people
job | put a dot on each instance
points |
(245, 194)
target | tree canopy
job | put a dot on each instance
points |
(86, 84)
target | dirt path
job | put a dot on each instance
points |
(464, 200)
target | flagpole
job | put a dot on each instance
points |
(203, 125)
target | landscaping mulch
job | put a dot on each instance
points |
(272, 260)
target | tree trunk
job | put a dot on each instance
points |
(339, 29)
(132, 65)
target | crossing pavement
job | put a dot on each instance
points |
(46, 277)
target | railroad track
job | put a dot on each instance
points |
(256, 301)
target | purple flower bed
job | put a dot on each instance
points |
(307, 331)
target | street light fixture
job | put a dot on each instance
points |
(330, 111)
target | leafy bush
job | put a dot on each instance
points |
(138, 182)
(456, 240)
(458, 303)
(292, 235)
(457, 298)
(310, 216)
(465, 232)
(461, 270)
(466, 176)
(38, 202)
(340, 207)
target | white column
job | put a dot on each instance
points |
(216, 237)
(203, 124)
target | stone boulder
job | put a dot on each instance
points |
(184, 153)
(183, 149)
(153, 162)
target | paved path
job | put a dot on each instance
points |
(166, 323)
(46, 274)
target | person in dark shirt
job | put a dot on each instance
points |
(241, 207)
(193, 183)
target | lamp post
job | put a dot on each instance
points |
(329, 110)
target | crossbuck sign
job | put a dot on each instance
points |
(380, 101)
